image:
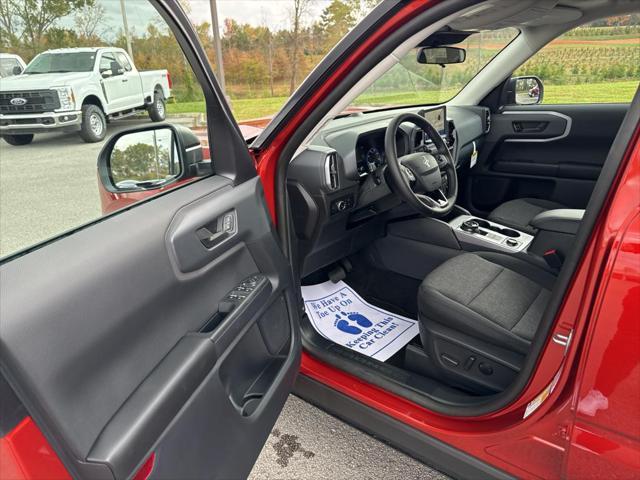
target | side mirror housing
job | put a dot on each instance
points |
(116, 69)
(526, 90)
(441, 55)
(153, 157)
(17, 70)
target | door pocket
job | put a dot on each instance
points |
(255, 361)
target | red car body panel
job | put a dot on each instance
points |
(574, 433)
(25, 454)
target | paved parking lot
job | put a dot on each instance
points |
(51, 185)
(47, 187)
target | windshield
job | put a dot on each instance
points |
(62, 62)
(412, 83)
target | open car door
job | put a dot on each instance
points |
(161, 339)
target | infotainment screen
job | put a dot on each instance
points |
(438, 118)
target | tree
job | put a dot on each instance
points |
(60, 37)
(139, 162)
(88, 19)
(8, 27)
(26, 21)
(336, 20)
(300, 9)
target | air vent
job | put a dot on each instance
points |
(487, 120)
(331, 171)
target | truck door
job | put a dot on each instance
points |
(132, 87)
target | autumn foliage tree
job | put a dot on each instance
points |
(259, 60)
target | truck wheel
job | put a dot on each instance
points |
(94, 124)
(157, 110)
(18, 140)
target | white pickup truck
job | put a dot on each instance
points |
(79, 89)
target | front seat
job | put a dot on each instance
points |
(519, 213)
(478, 314)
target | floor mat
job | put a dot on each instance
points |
(339, 314)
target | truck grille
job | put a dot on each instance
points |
(37, 101)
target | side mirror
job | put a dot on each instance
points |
(151, 158)
(17, 70)
(441, 55)
(106, 73)
(527, 90)
(116, 69)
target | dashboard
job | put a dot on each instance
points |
(338, 187)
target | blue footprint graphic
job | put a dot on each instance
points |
(359, 319)
(344, 326)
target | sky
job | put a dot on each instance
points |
(272, 13)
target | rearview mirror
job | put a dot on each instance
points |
(150, 158)
(17, 70)
(441, 55)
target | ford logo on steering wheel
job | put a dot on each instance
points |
(17, 101)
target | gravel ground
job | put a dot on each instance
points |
(51, 186)
(308, 443)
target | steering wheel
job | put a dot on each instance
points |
(417, 177)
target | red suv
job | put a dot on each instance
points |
(162, 340)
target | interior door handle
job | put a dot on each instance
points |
(529, 127)
(218, 231)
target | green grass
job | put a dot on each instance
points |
(612, 92)
(249, 108)
(243, 109)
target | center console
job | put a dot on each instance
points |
(484, 233)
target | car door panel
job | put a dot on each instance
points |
(118, 350)
(553, 152)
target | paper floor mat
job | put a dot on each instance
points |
(339, 314)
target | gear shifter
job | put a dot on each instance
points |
(470, 226)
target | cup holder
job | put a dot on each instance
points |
(508, 232)
(483, 223)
